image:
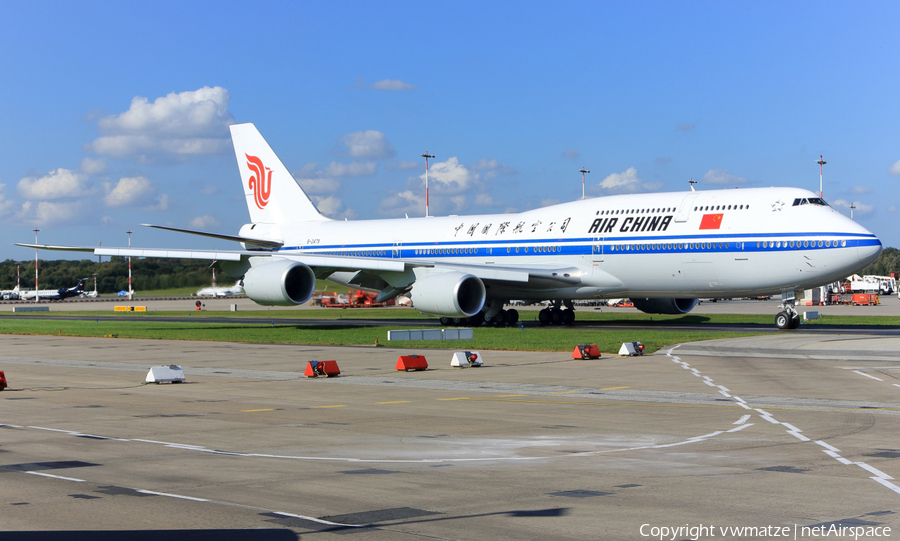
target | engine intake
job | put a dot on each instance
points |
(665, 306)
(279, 283)
(450, 294)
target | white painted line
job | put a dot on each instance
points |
(172, 495)
(723, 393)
(763, 412)
(320, 521)
(867, 375)
(56, 476)
(832, 454)
(875, 471)
(742, 420)
(54, 430)
(888, 484)
(797, 435)
(791, 427)
(726, 389)
(825, 445)
(10, 426)
(771, 419)
(896, 385)
(711, 384)
(843, 460)
(745, 406)
(738, 428)
(739, 399)
(710, 435)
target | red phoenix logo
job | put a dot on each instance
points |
(261, 184)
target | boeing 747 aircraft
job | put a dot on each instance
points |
(662, 250)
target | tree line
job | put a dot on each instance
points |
(112, 276)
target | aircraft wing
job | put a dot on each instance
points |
(555, 275)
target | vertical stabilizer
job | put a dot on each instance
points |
(273, 196)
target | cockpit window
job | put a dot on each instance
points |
(810, 201)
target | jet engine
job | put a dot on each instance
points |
(665, 306)
(279, 283)
(450, 294)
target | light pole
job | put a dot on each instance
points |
(582, 171)
(426, 156)
(852, 206)
(95, 284)
(37, 292)
(130, 292)
(821, 162)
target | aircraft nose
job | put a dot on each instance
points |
(869, 253)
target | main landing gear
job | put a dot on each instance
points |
(493, 315)
(554, 315)
(788, 318)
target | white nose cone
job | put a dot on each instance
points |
(868, 254)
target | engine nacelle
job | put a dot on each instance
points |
(450, 294)
(665, 306)
(279, 283)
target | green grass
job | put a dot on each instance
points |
(511, 339)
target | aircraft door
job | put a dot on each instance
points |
(396, 251)
(597, 249)
(684, 211)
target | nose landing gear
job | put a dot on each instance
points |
(788, 318)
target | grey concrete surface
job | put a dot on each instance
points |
(787, 431)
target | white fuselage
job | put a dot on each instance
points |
(682, 244)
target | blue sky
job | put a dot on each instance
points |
(115, 114)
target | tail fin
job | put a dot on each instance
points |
(273, 196)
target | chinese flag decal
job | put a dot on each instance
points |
(711, 221)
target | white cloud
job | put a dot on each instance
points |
(403, 203)
(486, 200)
(319, 185)
(6, 206)
(685, 127)
(393, 85)
(355, 169)
(892, 208)
(722, 176)
(493, 168)
(174, 126)
(333, 207)
(162, 203)
(366, 144)
(859, 190)
(209, 189)
(206, 221)
(858, 207)
(895, 169)
(61, 183)
(571, 154)
(127, 191)
(43, 213)
(627, 179)
(91, 166)
(450, 177)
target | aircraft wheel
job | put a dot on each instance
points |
(459, 321)
(783, 320)
(445, 321)
(568, 317)
(500, 318)
(512, 316)
(795, 321)
(556, 316)
(544, 316)
(476, 320)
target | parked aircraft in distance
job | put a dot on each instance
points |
(54, 294)
(661, 250)
(214, 291)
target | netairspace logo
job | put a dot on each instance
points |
(833, 531)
